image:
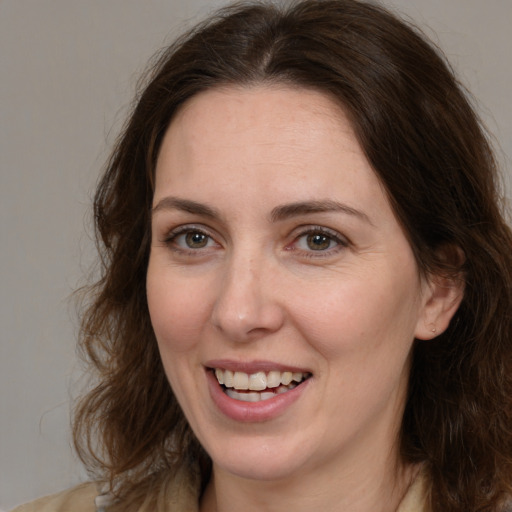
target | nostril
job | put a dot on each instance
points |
(242, 323)
(246, 306)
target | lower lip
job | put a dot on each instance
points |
(252, 412)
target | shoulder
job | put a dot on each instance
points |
(77, 499)
(415, 499)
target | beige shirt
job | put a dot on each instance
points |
(180, 498)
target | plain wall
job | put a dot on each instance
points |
(68, 72)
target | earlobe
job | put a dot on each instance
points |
(443, 299)
(443, 295)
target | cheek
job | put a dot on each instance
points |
(178, 313)
(362, 316)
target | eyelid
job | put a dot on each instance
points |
(171, 235)
(341, 240)
(184, 228)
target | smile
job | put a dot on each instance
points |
(259, 386)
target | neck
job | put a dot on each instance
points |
(367, 487)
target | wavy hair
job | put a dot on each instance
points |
(425, 143)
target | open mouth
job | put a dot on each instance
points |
(258, 386)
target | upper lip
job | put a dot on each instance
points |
(251, 367)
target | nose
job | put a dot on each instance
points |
(247, 306)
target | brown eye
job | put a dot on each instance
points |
(318, 242)
(190, 239)
(196, 240)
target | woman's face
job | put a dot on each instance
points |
(278, 265)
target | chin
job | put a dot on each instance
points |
(261, 470)
(259, 459)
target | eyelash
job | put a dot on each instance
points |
(171, 238)
(332, 236)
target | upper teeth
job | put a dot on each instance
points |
(257, 381)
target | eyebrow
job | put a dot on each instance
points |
(279, 213)
(307, 207)
(185, 205)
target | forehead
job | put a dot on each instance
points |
(243, 129)
(237, 102)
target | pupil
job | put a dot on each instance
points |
(318, 242)
(196, 240)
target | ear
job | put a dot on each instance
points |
(442, 297)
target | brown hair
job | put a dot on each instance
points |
(426, 145)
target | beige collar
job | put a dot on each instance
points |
(181, 494)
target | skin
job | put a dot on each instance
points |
(256, 288)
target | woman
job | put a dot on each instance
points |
(307, 279)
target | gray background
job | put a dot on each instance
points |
(68, 73)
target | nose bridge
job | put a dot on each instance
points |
(246, 304)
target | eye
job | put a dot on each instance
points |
(190, 239)
(318, 240)
(193, 239)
